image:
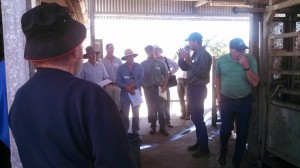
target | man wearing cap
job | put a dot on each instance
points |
(57, 119)
(198, 68)
(92, 70)
(130, 77)
(173, 69)
(236, 74)
(111, 64)
(156, 76)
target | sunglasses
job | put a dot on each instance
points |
(131, 75)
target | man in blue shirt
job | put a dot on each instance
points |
(130, 77)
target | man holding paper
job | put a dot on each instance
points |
(130, 77)
(156, 78)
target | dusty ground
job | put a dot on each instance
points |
(158, 151)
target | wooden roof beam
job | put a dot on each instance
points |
(282, 5)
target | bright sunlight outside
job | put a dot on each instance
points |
(170, 35)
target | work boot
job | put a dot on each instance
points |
(201, 152)
(153, 129)
(193, 147)
(222, 159)
(164, 132)
(168, 124)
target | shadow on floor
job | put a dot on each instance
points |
(158, 151)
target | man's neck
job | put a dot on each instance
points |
(110, 56)
(129, 64)
(92, 62)
(159, 57)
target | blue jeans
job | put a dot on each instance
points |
(196, 96)
(155, 104)
(239, 110)
(125, 107)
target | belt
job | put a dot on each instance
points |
(112, 83)
(239, 99)
(153, 86)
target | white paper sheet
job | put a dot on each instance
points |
(104, 82)
(136, 99)
(163, 95)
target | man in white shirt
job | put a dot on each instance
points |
(111, 64)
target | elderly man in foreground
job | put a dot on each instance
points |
(57, 119)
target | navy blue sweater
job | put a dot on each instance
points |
(59, 120)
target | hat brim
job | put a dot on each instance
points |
(58, 44)
(124, 57)
(85, 56)
(241, 48)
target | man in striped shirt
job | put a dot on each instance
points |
(92, 70)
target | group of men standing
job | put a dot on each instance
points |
(59, 120)
(128, 78)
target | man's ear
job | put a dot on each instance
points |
(77, 52)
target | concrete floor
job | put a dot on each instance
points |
(158, 151)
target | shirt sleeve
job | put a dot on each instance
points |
(120, 80)
(183, 65)
(141, 78)
(173, 66)
(104, 73)
(253, 64)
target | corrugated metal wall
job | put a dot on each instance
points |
(162, 8)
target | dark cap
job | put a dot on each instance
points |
(88, 50)
(50, 32)
(237, 44)
(194, 36)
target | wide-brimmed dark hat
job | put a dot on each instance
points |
(128, 52)
(88, 50)
(50, 32)
(237, 44)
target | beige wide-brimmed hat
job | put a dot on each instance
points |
(128, 52)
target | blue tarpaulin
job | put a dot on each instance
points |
(4, 134)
